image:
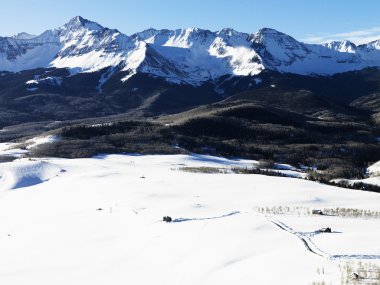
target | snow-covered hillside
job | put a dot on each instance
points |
(99, 220)
(185, 55)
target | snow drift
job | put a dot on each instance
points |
(25, 173)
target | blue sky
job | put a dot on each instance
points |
(307, 20)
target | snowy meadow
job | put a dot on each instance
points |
(99, 220)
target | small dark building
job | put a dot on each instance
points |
(167, 219)
(325, 230)
(317, 212)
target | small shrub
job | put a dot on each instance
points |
(266, 163)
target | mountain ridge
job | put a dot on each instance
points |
(190, 56)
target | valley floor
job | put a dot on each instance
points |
(99, 221)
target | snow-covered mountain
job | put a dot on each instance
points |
(23, 36)
(185, 55)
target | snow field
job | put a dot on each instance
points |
(97, 221)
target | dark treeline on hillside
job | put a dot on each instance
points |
(121, 137)
(345, 152)
(91, 131)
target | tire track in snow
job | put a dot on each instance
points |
(181, 220)
(355, 256)
(310, 246)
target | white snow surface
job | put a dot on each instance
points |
(24, 173)
(374, 169)
(189, 55)
(99, 221)
(31, 143)
(51, 80)
(16, 149)
(11, 149)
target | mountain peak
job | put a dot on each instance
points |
(197, 32)
(150, 35)
(192, 29)
(374, 45)
(266, 35)
(231, 34)
(79, 22)
(269, 31)
(23, 36)
(227, 32)
(78, 19)
(342, 46)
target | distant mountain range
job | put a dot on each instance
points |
(261, 96)
(192, 56)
